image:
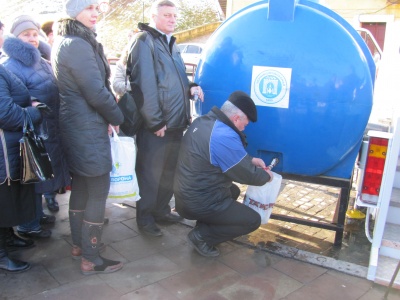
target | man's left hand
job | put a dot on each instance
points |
(258, 162)
(199, 92)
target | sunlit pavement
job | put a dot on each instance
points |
(251, 267)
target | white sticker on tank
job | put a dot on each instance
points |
(271, 86)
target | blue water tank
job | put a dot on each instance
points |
(311, 76)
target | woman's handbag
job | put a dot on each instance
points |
(262, 198)
(35, 161)
(132, 118)
(123, 181)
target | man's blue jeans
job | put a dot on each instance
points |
(50, 195)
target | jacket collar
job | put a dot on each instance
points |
(72, 27)
(154, 32)
(157, 35)
(21, 51)
(224, 119)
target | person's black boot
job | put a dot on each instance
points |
(75, 223)
(14, 242)
(52, 204)
(6, 263)
(200, 245)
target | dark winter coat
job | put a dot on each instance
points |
(25, 62)
(14, 97)
(211, 157)
(158, 80)
(87, 105)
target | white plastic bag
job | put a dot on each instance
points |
(262, 198)
(124, 185)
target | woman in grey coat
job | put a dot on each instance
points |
(87, 108)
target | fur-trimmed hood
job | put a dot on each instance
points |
(21, 51)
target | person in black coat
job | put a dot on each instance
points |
(213, 156)
(17, 201)
(87, 109)
(161, 90)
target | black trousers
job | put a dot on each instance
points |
(155, 171)
(238, 219)
(90, 194)
(17, 203)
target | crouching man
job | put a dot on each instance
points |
(211, 157)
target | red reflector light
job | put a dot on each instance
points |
(374, 167)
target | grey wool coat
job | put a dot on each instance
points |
(87, 105)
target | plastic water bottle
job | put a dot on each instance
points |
(196, 105)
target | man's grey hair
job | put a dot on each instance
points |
(160, 3)
(230, 109)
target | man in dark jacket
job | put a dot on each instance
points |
(211, 157)
(162, 90)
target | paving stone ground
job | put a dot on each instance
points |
(274, 262)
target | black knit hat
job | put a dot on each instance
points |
(243, 101)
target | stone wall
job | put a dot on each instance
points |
(193, 34)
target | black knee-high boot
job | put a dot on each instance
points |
(75, 223)
(91, 239)
(92, 262)
(6, 263)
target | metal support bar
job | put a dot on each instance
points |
(396, 271)
(344, 195)
(300, 221)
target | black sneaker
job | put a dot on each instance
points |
(41, 233)
(169, 218)
(200, 245)
(52, 204)
(47, 219)
(14, 242)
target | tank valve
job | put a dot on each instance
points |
(273, 163)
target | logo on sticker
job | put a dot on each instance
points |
(270, 86)
(115, 168)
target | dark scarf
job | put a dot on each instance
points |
(75, 28)
(224, 119)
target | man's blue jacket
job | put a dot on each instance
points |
(211, 157)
